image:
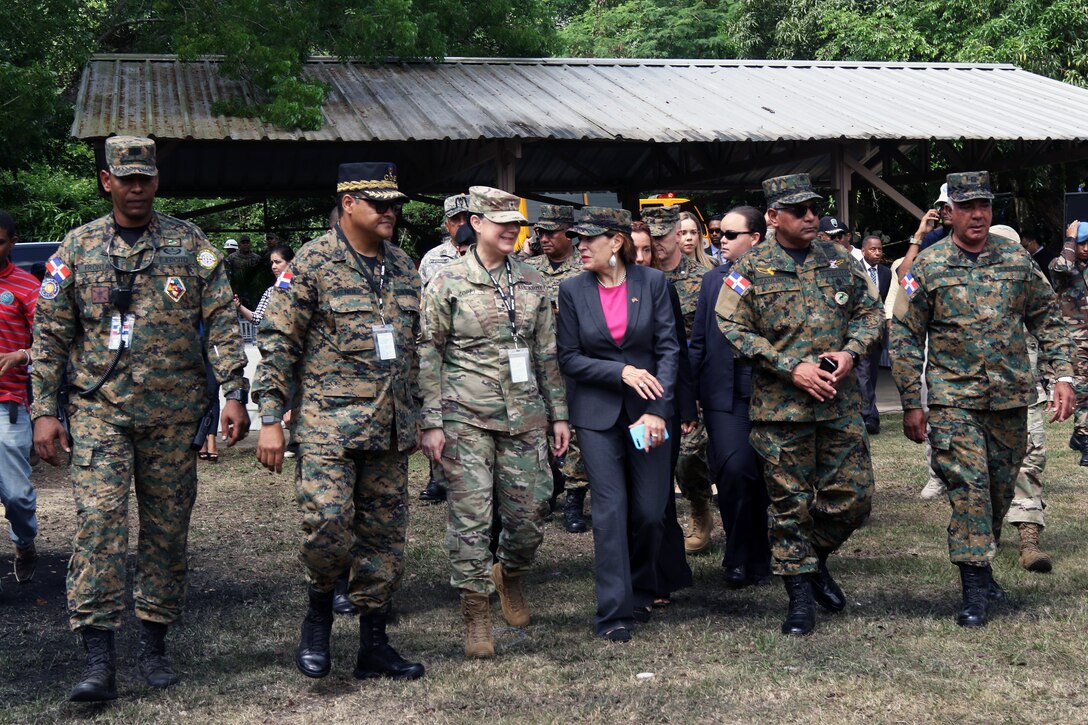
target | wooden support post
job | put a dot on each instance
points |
(864, 172)
(840, 179)
(508, 152)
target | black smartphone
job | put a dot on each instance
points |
(828, 364)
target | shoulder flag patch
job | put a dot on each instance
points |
(737, 282)
(284, 280)
(57, 269)
(910, 285)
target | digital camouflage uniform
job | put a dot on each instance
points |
(358, 416)
(1069, 283)
(570, 464)
(978, 375)
(140, 423)
(496, 450)
(816, 459)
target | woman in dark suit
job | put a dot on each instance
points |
(619, 351)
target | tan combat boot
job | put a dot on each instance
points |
(476, 609)
(699, 527)
(515, 609)
(1032, 557)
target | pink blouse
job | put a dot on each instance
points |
(614, 304)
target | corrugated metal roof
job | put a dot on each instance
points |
(664, 101)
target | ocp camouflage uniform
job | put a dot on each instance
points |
(570, 465)
(140, 423)
(1027, 503)
(1069, 282)
(496, 430)
(358, 415)
(816, 454)
(978, 377)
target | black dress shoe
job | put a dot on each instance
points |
(873, 429)
(434, 492)
(642, 615)
(618, 634)
(736, 577)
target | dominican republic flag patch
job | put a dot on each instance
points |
(737, 283)
(58, 270)
(284, 280)
(909, 284)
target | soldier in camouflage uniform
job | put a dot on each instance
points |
(1069, 271)
(971, 294)
(686, 276)
(118, 311)
(559, 261)
(455, 212)
(789, 305)
(492, 390)
(346, 316)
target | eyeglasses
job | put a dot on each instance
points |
(731, 235)
(381, 207)
(800, 210)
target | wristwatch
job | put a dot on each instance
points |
(240, 394)
(853, 355)
(270, 419)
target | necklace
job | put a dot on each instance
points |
(620, 281)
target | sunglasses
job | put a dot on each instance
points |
(731, 235)
(800, 210)
(547, 232)
(382, 207)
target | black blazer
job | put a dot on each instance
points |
(711, 357)
(592, 361)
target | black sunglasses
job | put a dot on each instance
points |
(800, 210)
(382, 207)
(731, 235)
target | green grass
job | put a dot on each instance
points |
(895, 656)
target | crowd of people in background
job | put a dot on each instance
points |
(736, 362)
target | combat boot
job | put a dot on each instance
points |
(1032, 557)
(1079, 442)
(515, 608)
(826, 592)
(975, 586)
(376, 657)
(341, 602)
(699, 528)
(574, 520)
(26, 563)
(152, 661)
(801, 616)
(99, 682)
(434, 492)
(312, 657)
(476, 610)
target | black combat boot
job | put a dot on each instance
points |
(975, 583)
(99, 682)
(434, 492)
(341, 603)
(1079, 442)
(313, 658)
(826, 592)
(994, 592)
(801, 617)
(574, 520)
(152, 661)
(376, 657)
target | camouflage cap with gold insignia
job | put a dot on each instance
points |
(969, 185)
(129, 155)
(495, 205)
(594, 220)
(791, 189)
(552, 217)
(369, 180)
(661, 219)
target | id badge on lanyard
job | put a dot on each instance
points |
(121, 331)
(385, 343)
(519, 365)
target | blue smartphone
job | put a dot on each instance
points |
(638, 436)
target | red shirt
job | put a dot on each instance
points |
(18, 298)
(614, 305)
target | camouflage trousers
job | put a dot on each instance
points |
(106, 460)
(487, 469)
(820, 481)
(571, 466)
(692, 472)
(354, 514)
(1027, 503)
(1080, 380)
(977, 454)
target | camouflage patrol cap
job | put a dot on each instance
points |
(1005, 232)
(369, 180)
(495, 205)
(129, 155)
(661, 219)
(552, 217)
(791, 189)
(454, 205)
(594, 220)
(969, 185)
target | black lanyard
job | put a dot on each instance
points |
(507, 300)
(375, 287)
